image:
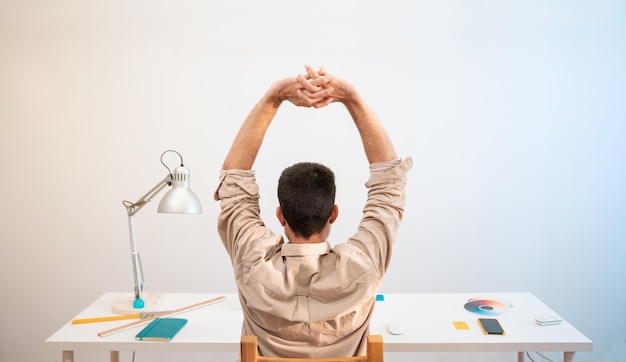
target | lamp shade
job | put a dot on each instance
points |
(180, 199)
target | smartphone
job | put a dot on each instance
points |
(490, 326)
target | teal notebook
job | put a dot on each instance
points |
(161, 329)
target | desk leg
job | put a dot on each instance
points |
(568, 356)
(67, 356)
(521, 356)
(115, 356)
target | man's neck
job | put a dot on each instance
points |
(314, 239)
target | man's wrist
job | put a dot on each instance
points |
(272, 98)
(352, 100)
(345, 93)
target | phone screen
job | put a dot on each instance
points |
(490, 326)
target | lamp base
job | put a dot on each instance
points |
(124, 305)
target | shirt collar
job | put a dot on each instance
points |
(290, 249)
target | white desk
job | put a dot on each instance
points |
(426, 319)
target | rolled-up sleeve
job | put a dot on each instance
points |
(238, 194)
(383, 211)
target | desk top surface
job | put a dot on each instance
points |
(426, 318)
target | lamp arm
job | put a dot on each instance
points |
(137, 268)
(133, 207)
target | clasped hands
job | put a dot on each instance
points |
(315, 89)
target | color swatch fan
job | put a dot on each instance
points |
(487, 306)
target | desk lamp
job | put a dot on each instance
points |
(179, 200)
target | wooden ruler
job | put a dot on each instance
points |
(111, 331)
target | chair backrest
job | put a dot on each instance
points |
(250, 352)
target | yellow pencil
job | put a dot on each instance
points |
(106, 319)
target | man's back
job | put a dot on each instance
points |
(296, 295)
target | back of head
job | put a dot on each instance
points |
(306, 193)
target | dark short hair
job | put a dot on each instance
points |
(306, 194)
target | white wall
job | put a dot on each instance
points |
(512, 110)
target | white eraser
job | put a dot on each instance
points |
(548, 320)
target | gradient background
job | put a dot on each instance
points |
(513, 111)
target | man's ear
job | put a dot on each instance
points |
(280, 217)
(333, 214)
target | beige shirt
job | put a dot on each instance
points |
(310, 300)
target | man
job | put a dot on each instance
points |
(303, 298)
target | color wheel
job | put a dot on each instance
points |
(486, 306)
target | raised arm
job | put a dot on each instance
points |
(315, 89)
(376, 141)
(248, 141)
(246, 145)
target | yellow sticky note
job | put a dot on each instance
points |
(460, 325)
